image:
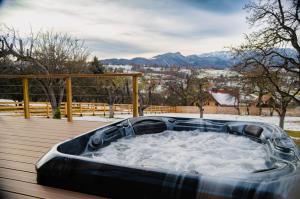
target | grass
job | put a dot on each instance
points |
(295, 134)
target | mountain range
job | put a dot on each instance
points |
(219, 60)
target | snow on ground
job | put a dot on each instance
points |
(126, 68)
(291, 123)
(6, 100)
(217, 73)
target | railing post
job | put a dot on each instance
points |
(47, 109)
(65, 109)
(93, 109)
(69, 98)
(26, 98)
(135, 97)
(104, 108)
(80, 109)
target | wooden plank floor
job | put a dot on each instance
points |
(22, 143)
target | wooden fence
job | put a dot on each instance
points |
(233, 111)
(90, 108)
(78, 108)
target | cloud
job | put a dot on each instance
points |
(108, 47)
(131, 28)
(219, 6)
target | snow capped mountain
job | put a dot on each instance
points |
(170, 59)
(208, 60)
(217, 60)
(219, 54)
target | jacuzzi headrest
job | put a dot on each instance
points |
(253, 130)
(103, 137)
(245, 129)
(148, 125)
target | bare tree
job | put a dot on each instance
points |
(183, 87)
(114, 92)
(253, 83)
(282, 100)
(189, 90)
(277, 23)
(281, 84)
(235, 92)
(47, 53)
(203, 94)
(277, 27)
(147, 87)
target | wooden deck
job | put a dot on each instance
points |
(22, 143)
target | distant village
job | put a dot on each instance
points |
(225, 87)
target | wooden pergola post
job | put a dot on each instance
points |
(135, 97)
(69, 98)
(26, 98)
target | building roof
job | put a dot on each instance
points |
(224, 99)
(266, 98)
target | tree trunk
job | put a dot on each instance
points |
(200, 98)
(111, 111)
(260, 103)
(248, 111)
(281, 118)
(54, 104)
(141, 111)
(260, 110)
(141, 104)
(54, 100)
(61, 92)
(271, 111)
(201, 111)
(238, 110)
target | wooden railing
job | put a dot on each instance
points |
(69, 96)
(78, 108)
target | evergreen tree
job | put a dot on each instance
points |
(96, 66)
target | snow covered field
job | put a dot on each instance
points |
(291, 123)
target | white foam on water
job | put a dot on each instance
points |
(207, 153)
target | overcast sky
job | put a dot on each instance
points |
(130, 28)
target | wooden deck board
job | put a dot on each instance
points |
(6, 194)
(22, 143)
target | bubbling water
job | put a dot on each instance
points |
(208, 153)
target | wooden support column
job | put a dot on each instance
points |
(26, 98)
(69, 98)
(135, 97)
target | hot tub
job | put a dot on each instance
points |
(88, 163)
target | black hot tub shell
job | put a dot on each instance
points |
(65, 167)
